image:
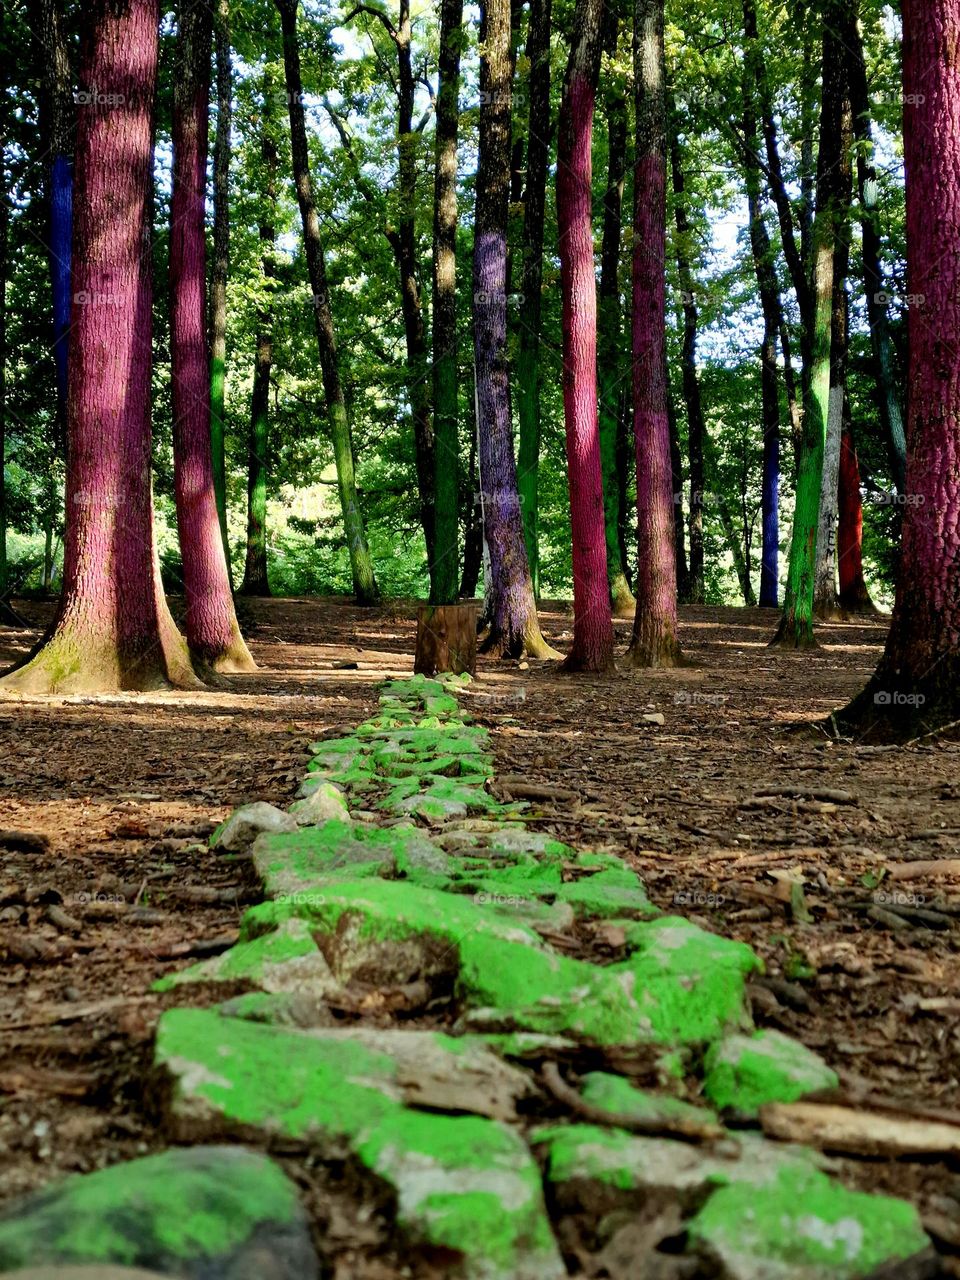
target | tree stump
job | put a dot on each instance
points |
(446, 639)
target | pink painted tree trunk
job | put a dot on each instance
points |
(916, 687)
(113, 630)
(592, 623)
(211, 622)
(654, 642)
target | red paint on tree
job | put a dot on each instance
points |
(592, 623)
(854, 596)
(112, 630)
(210, 620)
(654, 640)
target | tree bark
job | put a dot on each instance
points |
(854, 595)
(825, 588)
(443, 573)
(696, 425)
(210, 620)
(513, 616)
(796, 625)
(473, 535)
(112, 629)
(4, 261)
(916, 687)
(888, 400)
(610, 323)
(528, 357)
(592, 624)
(364, 582)
(221, 265)
(654, 642)
(256, 581)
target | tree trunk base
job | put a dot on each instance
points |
(622, 600)
(655, 649)
(446, 639)
(794, 633)
(894, 708)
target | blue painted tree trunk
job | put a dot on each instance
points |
(61, 236)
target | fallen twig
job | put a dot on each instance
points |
(683, 1127)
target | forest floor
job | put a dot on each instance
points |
(106, 882)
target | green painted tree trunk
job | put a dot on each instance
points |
(796, 625)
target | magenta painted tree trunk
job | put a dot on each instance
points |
(592, 623)
(113, 630)
(654, 642)
(514, 627)
(210, 621)
(917, 685)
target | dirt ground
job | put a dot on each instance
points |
(113, 886)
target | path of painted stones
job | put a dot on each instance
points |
(397, 885)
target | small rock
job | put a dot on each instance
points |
(323, 804)
(244, 825)
(744, 1071)
(235, 1212)
(655, 717)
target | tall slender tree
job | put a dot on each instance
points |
(210, 619)
(112, 630)
(696, 422)
(888, 399)
(514, 627)
(256, 581)
(916, 686)
(528, 371)
(592, 624)
(446, 472)
(364, 582)
(796, 625)
(610, 314)
(654, 642)
(220, 266)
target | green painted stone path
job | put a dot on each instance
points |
(397, 881)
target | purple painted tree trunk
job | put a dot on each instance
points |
(592, 623)
(916, 687)
(210, 622)
(514, 627)
(112, 630)
(654, 642)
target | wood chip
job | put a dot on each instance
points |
(858, 1133)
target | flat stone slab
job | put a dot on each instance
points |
(244, 825)
(745, 1071)
(765, 1213)
(466, 1183)
(203, 1213)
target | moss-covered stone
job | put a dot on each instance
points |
(744, 1071)
(690, 985)
(618, 1096)
(608, 892)
(803, 1225)
(466, 1183)
(191, 1213)
(283, 959)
